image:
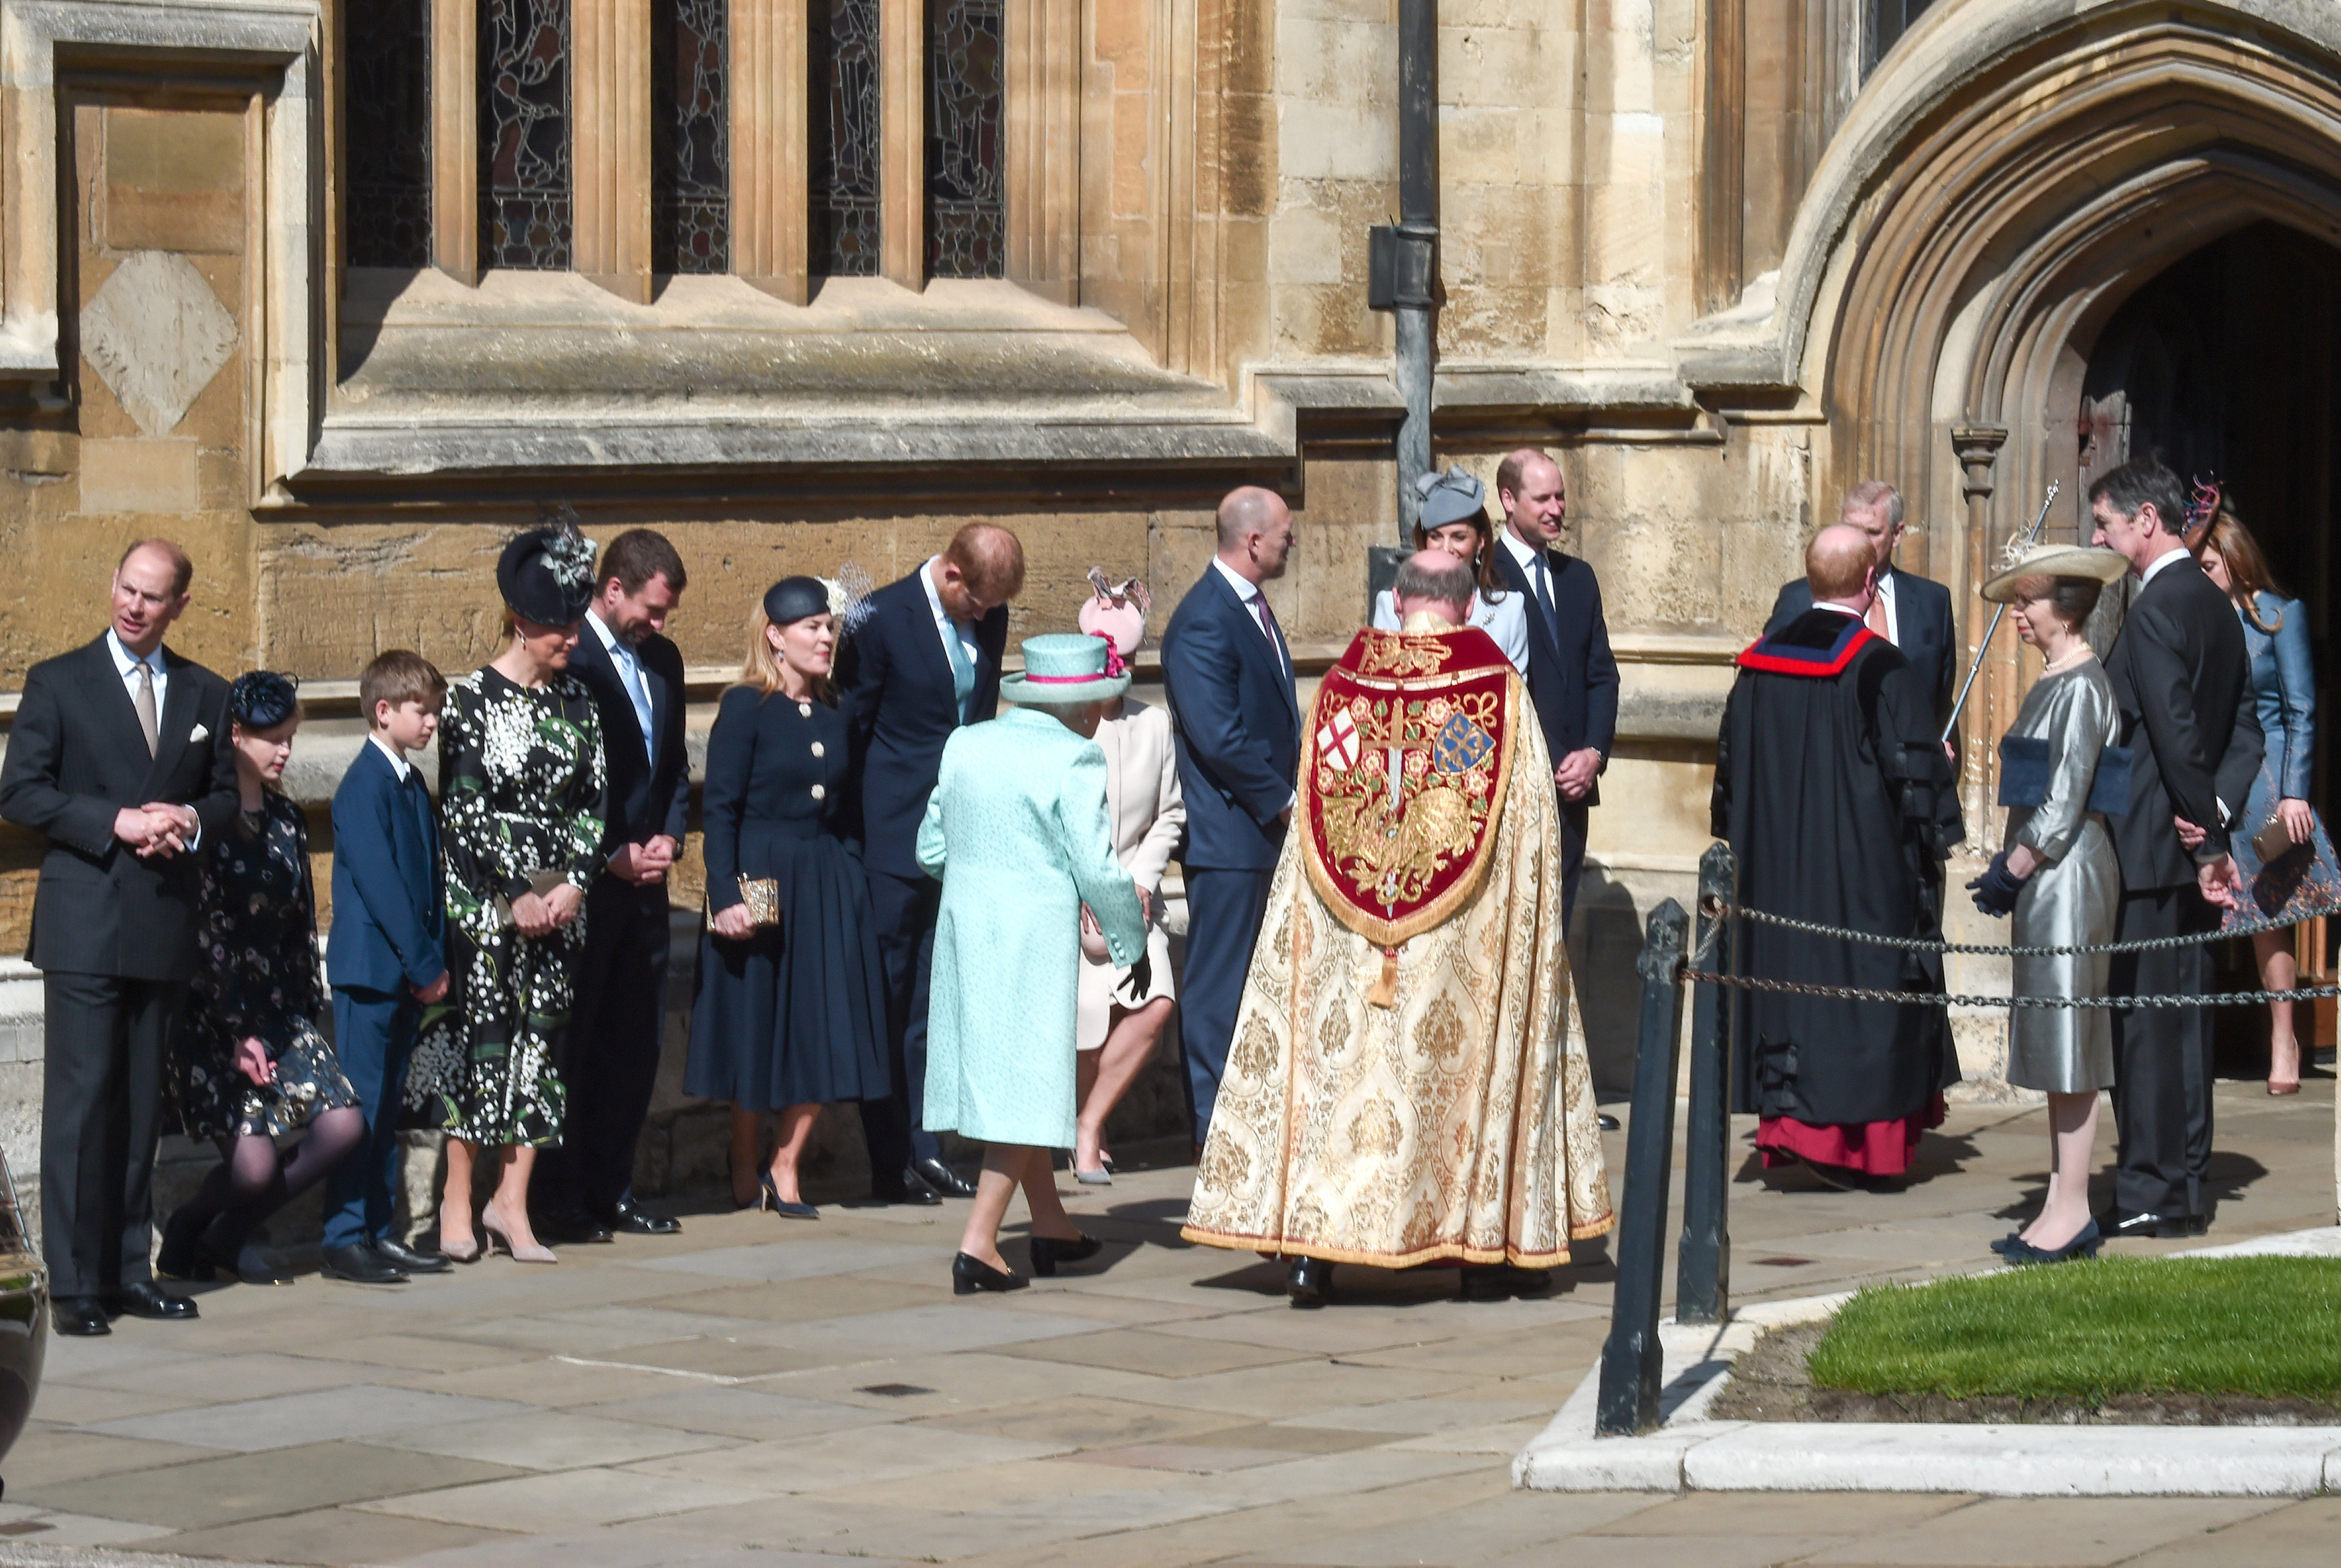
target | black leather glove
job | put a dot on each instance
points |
(1141, 977)
(1996, 890)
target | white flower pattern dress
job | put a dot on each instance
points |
(523, 787)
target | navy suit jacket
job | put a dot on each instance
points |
(1572, 676)
(1239, 727)
(898, 693)
(648, 795)
(75, 759)
(389, 906)
(1922, 621)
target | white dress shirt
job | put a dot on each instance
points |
(629, 672)
(1885, 603)
(1248, 591)
(126, 663)
(946, 627)
(398, 763)
(2151, 572)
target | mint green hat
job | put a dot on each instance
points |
(1064, 670)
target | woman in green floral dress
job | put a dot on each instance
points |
(521, 787)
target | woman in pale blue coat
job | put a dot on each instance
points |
(1017, 831)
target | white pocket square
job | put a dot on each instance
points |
(198, 735)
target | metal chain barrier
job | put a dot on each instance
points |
(1927, 944)
(1956, 999)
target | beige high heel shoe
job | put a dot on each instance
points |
(497, 1231)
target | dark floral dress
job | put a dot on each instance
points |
(259, 978)
(521, 787)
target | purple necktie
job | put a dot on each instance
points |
(1268, 624)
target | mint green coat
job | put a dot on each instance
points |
(1017, 831)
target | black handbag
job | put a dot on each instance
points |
(2024, 776)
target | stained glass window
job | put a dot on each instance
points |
(524, 192)
(690, 154)
(845, 139)
(386, 66)
(966, 204)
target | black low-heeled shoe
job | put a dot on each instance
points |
(970, 1275)
(247, 1267)
(2083, 1246)
(1048, 1251)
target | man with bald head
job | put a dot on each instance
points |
(1229, 673)
(1841, 806)
(1910, 611)
(120, 757)
(923, 661)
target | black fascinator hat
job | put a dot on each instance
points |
(793, 599)
(262, 699)
(546, 575)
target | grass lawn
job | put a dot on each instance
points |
(2266, 1326)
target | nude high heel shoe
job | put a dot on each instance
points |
(497, 1231)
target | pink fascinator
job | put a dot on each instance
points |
(1116, 614)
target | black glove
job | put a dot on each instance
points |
(1996, 890)
(1141, 977)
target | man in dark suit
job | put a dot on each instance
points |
(1572, 675)
(1910, 611)
(922, 662)
(2181, 676)
(120, 756)
(635, 676)
(1229, 673)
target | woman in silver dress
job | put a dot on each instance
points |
(2058, 876)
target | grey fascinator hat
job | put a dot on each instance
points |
(1451, 497)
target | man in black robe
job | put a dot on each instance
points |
(1838, 798)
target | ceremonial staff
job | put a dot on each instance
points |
(1985, 646)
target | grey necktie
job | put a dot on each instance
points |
(143, 700)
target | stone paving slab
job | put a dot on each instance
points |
(813, 1396)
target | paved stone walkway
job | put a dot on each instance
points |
(792, 1395)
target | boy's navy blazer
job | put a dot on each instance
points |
(389, 908)
(1572, 678)
(1239, 727)
(898, 695)
(648, 795)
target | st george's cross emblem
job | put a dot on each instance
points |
(1337, 741)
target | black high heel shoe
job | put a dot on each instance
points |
(970, 1275)
(768, 1197)
(180, 1256)
(731, 1180)
(1048, 1251)
(2083, 1246)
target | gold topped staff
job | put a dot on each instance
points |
(1985, 646)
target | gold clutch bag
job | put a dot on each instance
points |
(761, 894)
(540, 883)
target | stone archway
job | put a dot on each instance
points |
(2017, 169)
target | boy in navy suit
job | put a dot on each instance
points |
(387, 957)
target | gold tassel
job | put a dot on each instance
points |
(1383, 992)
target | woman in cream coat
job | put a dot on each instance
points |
(1117, 1035)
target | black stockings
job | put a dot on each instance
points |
(254, 1179)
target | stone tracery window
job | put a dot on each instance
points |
(691, 164)
(845, 138)
(966, 189)
(525, 200)
(387, 176)
(1889, 19)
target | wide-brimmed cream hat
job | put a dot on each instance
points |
(2090, 560)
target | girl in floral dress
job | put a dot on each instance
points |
(521, 787)
(249, 1064)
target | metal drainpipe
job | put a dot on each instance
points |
(1406, 255)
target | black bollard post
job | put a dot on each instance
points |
(1703, 1261)
(1632, 1362)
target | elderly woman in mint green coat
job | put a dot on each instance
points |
(1017, 831)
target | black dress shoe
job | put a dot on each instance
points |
(79, 1316)
(2126, 1225)
(399, 1255)
(1048, 1251)
(573, 1227)
(970, 1275)
(904, 1188)
(1605, 1122)
(1310, 1283)
(142, 1299)
(360, 1265)
(1495, 1281)
(634, 1220)
(247, 1267)
(942, 1178)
